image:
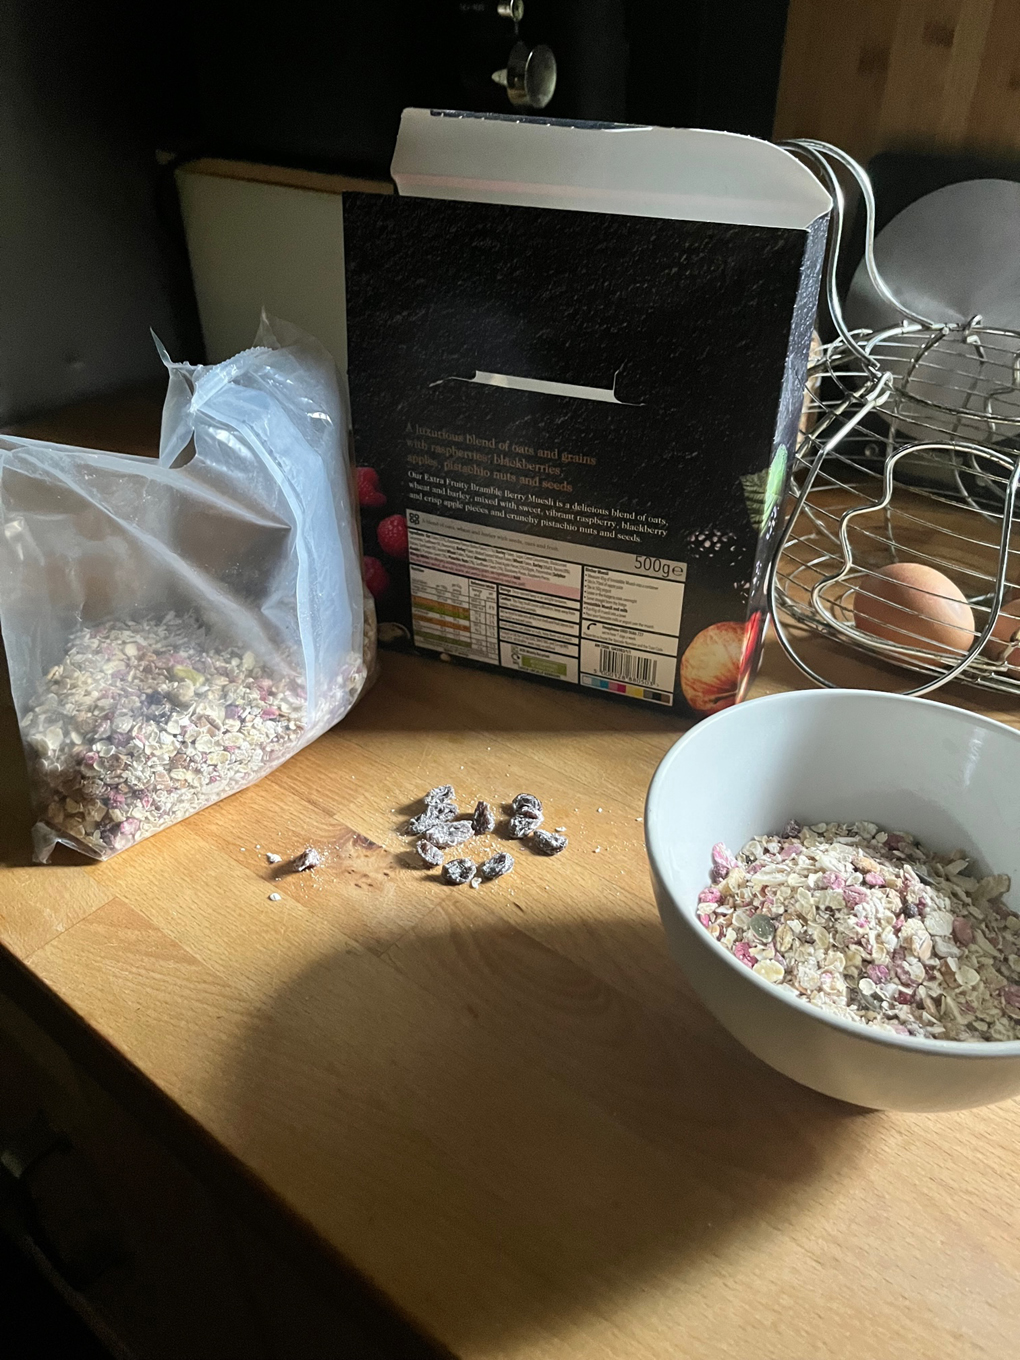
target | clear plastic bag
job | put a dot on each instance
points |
(177, 628)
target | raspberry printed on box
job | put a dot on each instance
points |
(573, 390)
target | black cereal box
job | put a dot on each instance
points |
(576, 362)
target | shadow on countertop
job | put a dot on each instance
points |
(510, 1126)
(422, 693)
(37, 1323)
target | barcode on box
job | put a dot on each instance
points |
(636, 670)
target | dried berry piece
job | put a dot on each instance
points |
(308, 859)
(445, 834)
(443, 793)
(520, 826)
(458, 871)
(432, 816)
(523, 801)
(497, 865)
(430, 854)
(963, 931)
(548, 842)
(483, 819)
(421, 823)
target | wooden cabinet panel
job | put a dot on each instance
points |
(119, 1225)
(875, 75)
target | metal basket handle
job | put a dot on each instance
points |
(820, 156)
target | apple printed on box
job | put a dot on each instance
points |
(572, 399)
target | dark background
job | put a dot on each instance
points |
(324, 83)
(91, 247)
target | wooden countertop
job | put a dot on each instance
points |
(502, 1106)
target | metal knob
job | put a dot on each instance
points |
(529, 76)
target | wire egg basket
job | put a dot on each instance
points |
(909, 452)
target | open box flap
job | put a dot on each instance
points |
(686, 174)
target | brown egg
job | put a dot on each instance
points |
(1004, 644)
(915, 606)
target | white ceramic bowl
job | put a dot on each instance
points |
(947, 776)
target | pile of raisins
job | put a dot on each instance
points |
(440, 826)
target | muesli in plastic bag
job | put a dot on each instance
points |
(177, 628)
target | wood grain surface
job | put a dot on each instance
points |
(502, 1105)
(875, 75)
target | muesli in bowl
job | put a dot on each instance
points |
(872, 926)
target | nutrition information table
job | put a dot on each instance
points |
(584, 615)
